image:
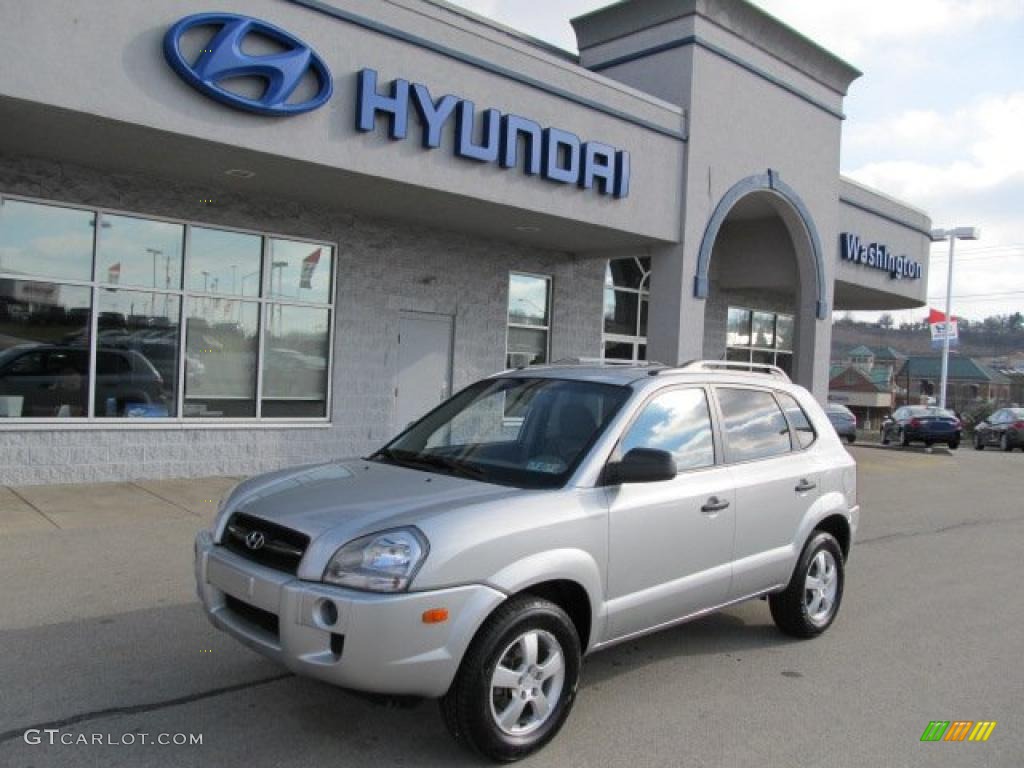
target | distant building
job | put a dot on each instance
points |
(1016, 378)
(969, 382)
(868, 392)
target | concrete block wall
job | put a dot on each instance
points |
(383, 267)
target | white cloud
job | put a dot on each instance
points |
(975, 148)
(851, 28)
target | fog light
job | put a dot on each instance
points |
(327, 612)
(435, 616)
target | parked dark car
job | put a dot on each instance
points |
(53, 380)
(1004, 428)
(844, 420)
(922, 424)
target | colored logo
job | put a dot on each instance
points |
(223, 59)
(958, 730)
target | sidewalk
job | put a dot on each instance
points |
(36, 508)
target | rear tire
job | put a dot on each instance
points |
(979, 445)
(953, 444)
(507, 722)
(851, 439)
(809, 604)
(1004, 443)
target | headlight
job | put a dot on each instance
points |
(380, 562)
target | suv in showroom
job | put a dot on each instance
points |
(537, 516)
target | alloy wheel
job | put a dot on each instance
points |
(820, 587)
(527, 682)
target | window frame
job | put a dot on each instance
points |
(643, 293)
(94, 421)
(524, 326)
(776, 351)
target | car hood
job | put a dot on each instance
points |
(345, 499)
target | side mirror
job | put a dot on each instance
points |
(642, 465)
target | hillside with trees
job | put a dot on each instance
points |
(997, 336)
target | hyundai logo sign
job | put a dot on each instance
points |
(223, 59)
(484, 136)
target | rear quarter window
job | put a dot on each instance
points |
(802, 429)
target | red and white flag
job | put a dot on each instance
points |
(938, 325)
(114, 273)
(308, 266)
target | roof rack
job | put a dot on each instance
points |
(599, 362)
(761, 369)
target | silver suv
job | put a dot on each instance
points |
(536, 516)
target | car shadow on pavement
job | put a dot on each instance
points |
(939, 450)
(717, 634)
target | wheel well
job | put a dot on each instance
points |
(571, 598)
(838, 527)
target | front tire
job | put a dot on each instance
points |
(809, 604)
(953, 444)
(517, 681)
(851, 439)
(904, 440)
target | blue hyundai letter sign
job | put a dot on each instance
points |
(223, 59)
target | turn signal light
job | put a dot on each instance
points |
(435, 616)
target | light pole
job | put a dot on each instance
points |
(957, 233)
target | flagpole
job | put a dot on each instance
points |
(947, 326)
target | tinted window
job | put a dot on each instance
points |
(754, 426)
(45, 240)
(678, 422)
(140, 252)
(798, 419)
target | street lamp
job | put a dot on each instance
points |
(957, 233)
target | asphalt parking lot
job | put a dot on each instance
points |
(100, 634)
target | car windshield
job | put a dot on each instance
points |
(522, 432)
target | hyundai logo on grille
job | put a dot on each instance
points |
(223, 59)
(255, 540)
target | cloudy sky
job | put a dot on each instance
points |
(937, 119)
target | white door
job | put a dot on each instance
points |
(424, 365)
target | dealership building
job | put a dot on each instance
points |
(240, 235)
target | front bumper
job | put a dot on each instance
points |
(378, 642)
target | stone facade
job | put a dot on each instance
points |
(383, 267)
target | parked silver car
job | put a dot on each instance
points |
(536, 516)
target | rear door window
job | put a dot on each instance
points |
(753, 424)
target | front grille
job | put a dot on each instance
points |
(265, 620)
(282, 548)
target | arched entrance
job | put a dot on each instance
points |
(761, 272)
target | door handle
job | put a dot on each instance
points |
(805, 485)
(714, 504)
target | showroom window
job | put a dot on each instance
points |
(111, 316)
(753, 336)
(529, 320)
(626, 297)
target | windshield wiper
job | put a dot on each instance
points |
(452, 465)
(429, 461)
